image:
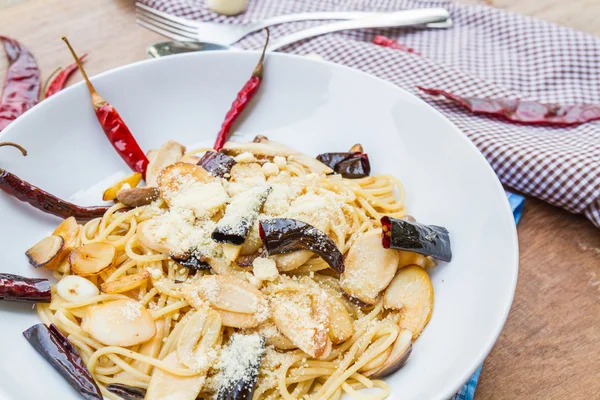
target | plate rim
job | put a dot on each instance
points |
(449, 389)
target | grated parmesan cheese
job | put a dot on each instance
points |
(245, 157)
(281, 162)
(270, 169)
(132, 310)
(265, 269)
(240, 360)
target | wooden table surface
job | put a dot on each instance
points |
(550, 346)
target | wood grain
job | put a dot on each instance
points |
(549, 348)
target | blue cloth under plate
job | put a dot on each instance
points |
(468, 391)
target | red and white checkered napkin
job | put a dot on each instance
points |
(488, 53)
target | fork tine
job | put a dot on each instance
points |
(163, 23)
(163, 32)
(162, 15)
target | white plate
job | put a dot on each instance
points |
(311, 105)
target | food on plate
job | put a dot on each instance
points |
(246, 271)
(253, 282)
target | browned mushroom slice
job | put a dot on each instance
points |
(375, 364)
(119, 323)
(369, 268)
(175, 176)
(69, 230)
(291, 261)
(341, 327)
(138, 197)
(412, 292)
(400, 353)
(411, 258)
(200, 334)
(128, 182)
(240, 304)
(169, 153)
(45, 251)
(126, 283)
(146, 236)
(91, 259)
(164, 385)
(302, 319)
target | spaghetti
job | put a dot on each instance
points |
(318, 343)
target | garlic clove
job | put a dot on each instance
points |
(93, 258)
(119, 323)
(75, 289)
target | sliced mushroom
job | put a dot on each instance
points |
(201, 332)
(237, 320)
(260, 139)
(245, 176)
(357, 148)
(327, 351)
(252, 244)
(173, 177)
(128, 182)
(265, 148)
(291, 261)
(169, 153)
(191, 159)
(146, 236)
(164, 385)
(75, 289)
(401, 350)
(231, 251)
(410, 258)
(312, 164)
(412, 292)
(241, 305)
(341, 327)
(302, 319)
(150, 348)
(93, 258)
(273, 337)
(45, 251)
(375, 364)
(69, 230)
(138, 197)
(119, 323)
(369, 268)
(126, 283)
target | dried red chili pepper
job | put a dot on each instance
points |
(113, 125)
(524, 112)
(22, 83)
(385, 41)
(241, 101)
(42, 200)
(58, 82)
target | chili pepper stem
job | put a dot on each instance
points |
(52, 75)
(259, 70)
(17, 146)
(97, 101)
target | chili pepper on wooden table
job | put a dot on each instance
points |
(241, 101)
(42, 200)
(113, 125)
(22, 83)
(57, 83)
(524, 112)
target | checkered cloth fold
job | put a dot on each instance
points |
(488, 53)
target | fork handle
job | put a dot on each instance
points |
(307, 16)
(395, 19)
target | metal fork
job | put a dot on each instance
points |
(183, 29)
